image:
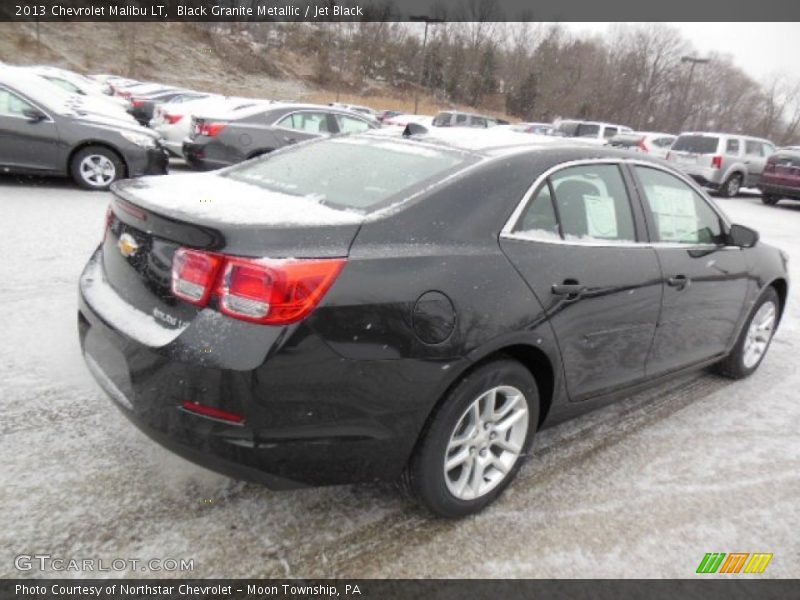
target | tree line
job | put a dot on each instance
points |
(635, 74)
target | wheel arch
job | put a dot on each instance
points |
(104, 144)
(782, 288)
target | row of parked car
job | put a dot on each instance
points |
(100, 128)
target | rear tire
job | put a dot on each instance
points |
(754, 339)
(731, 187)
(770, 199)
(96, 168)
(476, 440)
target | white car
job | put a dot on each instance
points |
(75, 83)
(77, 103)
(172, 121)
(649, 142)
(404, 119)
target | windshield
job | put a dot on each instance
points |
(352, 173)
(697, 144)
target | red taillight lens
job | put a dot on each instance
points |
(276, 292)
(213, 413)
(136, 102)
(210, 129)
(194, 274)
(643, 146)
(716, 162)
(172, 119)
(266, 291)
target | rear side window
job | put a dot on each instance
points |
(768, 149)
(442, 119)
(681, 215)
(351, 173)
(609, 132)
(752, 148)
(587, 130)
(696, 144)
(664, 142)
(732, 147)
(582, 203)
(312, 122)
(539, 219)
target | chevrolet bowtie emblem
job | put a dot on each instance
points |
(127, 245)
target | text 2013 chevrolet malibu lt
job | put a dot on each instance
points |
(369, 308)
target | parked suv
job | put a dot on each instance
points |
(781, 176)
(721, 161)
(592, 131)
(461, 119)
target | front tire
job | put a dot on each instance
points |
(731, 187)
(476, 440)
(755, 338)
(96, 168)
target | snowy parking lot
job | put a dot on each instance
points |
(643, 488)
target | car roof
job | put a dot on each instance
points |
(722, 134)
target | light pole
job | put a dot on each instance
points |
(422, 19)
(694, 61)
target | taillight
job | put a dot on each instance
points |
(194, 274)
(210, 129)
(136, 102)
(266, 291)
(716, 162)
(642, 146)
(109, 221)
(212, 413)
(172, 119)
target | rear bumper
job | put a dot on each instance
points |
(775, 189)
(311, 417)
(196, 157)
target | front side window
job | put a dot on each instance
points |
(351, 124)
(312, 122)
(681, 215)
(11, 104)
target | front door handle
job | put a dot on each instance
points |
(679, 281)
(568, 289)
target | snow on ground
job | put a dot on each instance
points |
(643, 488)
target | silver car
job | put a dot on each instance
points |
(721, 161)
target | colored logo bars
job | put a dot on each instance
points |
(714, 562)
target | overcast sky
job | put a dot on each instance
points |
(758, 48)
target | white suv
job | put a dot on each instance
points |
(595, 132)
(721, 161)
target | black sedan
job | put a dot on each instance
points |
(365, 308)
(220, 142)
(41, 134)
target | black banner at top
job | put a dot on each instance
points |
(398, 10)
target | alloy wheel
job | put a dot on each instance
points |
(486, 442)
(759, 333)
(97, 170)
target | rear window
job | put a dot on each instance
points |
(353, 173)
(697, 144)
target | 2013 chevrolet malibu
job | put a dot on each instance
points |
(368, 308)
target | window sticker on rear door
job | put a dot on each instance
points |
(675, 212)
(601, 216)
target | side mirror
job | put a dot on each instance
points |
(742, 236)
(34, 115)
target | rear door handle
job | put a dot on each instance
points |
(679, 281)
(568, 289)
